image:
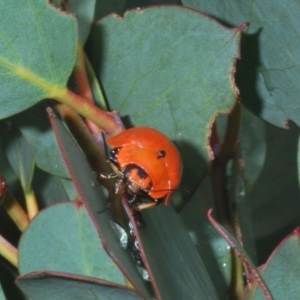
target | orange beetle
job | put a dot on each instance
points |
(147, 164)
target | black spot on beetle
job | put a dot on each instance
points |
(161, 154)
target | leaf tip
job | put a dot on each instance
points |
(50, 112)
(297, 231)
(79, 204)
(242, 27)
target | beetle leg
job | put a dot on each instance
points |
(108, 176)
(114, 156)
(142, 206)
(117, 186)
(133, 201)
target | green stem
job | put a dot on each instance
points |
(95, 85)
(15, 211)
(8, 251)
(31, 204)
(108, 121)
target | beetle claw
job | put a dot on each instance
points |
(108, 176)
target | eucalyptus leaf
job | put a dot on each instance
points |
(2, 296)
(84, 11)
(212, 247)
(51, 189)
(36, 55)
(57, 286)
(20, 157)
(253, 147)
(62, 238)
(169, 68)
(95, 201)
(252, 272)
(35, 127)
(274, 200)
(284, 260)
(268, 72)
(170, 253)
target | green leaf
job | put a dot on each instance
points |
(168, 68)
(50, 189)
(35, 127)
(252, 272)
(269, 71)
(253, 147)
(94, 199)
(169, 252)
(20, 157)
(62, 238)
(282, 270)
(84, 11)
(212, 247)
(36, 55)
(5, 167)
(157, 241)
(2, 296)
(275, 195)
(57, 286)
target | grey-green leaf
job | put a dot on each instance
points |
(58, 286)
(269, 72)
(20, 157)
(169, 68)
(37, 53)
(62, 238)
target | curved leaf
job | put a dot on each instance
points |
(252, 273)
(269, 71)
(57, 286)
(36, 55)
(92, 195)
(169, 68)
(2, 296)
(62, 238)
(212, 247)
(253, 147)
(50, 189)
(84, 11)
(275, 195)
(168, 252)
(20, 157)
(35, 127)
(282, 270)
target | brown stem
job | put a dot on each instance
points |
(109, 122)
(91, 149)
(81, 77)
(84, 90)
